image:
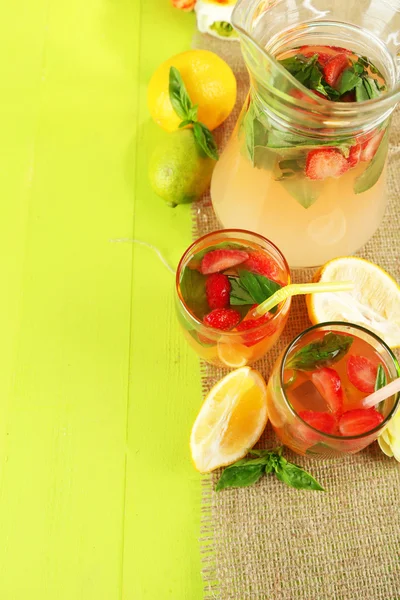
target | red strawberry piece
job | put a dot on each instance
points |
(308, 51)
(219, 260)
(360, 420)
(217, 290)
(322, 421)
(354, 155)
(348, 97)
(250, 339)
(370, 147)
(334, 68)
(317, 93)
(222, 318)
(362, 373)
(325, 162)
(341, 50)
(328, 383)
(260, 263)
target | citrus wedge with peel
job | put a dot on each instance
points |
(373, 303)
(231, 420)
(233, 355)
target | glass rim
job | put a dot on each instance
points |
(352, 326)
(193, 317)
(384, 104)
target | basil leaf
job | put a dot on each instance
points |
(178, 95)
(372, 88)
(193, 289)
(185, 123)
(380, 381)
(239, 295)
(304, 190)
(296, 477)
(258, 287)
(370, 176)
(205, 140)
(361, 93)
(349, 81)
(320, 353)
(241, 476)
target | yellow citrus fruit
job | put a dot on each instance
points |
(231, 420)
(209, 81)
(374, 303)
(233, 355)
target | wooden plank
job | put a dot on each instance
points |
(66, 133)
(161, 557)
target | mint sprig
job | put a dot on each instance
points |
(187, 111)
(251, 288)
(248, 471)
(321, 353)
(355, 78)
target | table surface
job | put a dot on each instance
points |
(98, 499)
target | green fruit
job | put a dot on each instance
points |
(179, 170)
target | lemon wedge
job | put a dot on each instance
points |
(231, 420)
(233, 355)
(373, 303)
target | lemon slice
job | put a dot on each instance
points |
(231, 420)
(373, 303)
(233, 355)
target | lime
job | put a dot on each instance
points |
(179, 170)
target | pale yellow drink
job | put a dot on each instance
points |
(338, 223)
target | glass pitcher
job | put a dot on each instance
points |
(261, 182)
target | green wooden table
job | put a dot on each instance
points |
(98, 499)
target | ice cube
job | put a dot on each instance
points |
(309, 397)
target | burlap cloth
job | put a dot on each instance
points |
(272, 542)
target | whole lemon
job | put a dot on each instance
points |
(210, 83)
(179, 171)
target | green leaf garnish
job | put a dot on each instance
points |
(370, 176)
(205, 140)
(321, 353)
(349, 80)
(251, 288)
(248, 471)
(178, 94)
(193, 289)
(380, 380)
(296, 477)
(187, 111)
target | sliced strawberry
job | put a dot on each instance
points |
(341, 50)
(348, 97)
(222, 318)
(325, 162)
(317, 93)
(308, 51)
(370, 147)
(362, 373)
(260, 263)
(205, 341)
(250, 339)
(219, 260)
(354, 155)
(218, 289)
(360, 420)
(322, 421)
(328, 383)
(334, 68)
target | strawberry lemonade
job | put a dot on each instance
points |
(316, 392)
(220, 280)
(317, 192)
